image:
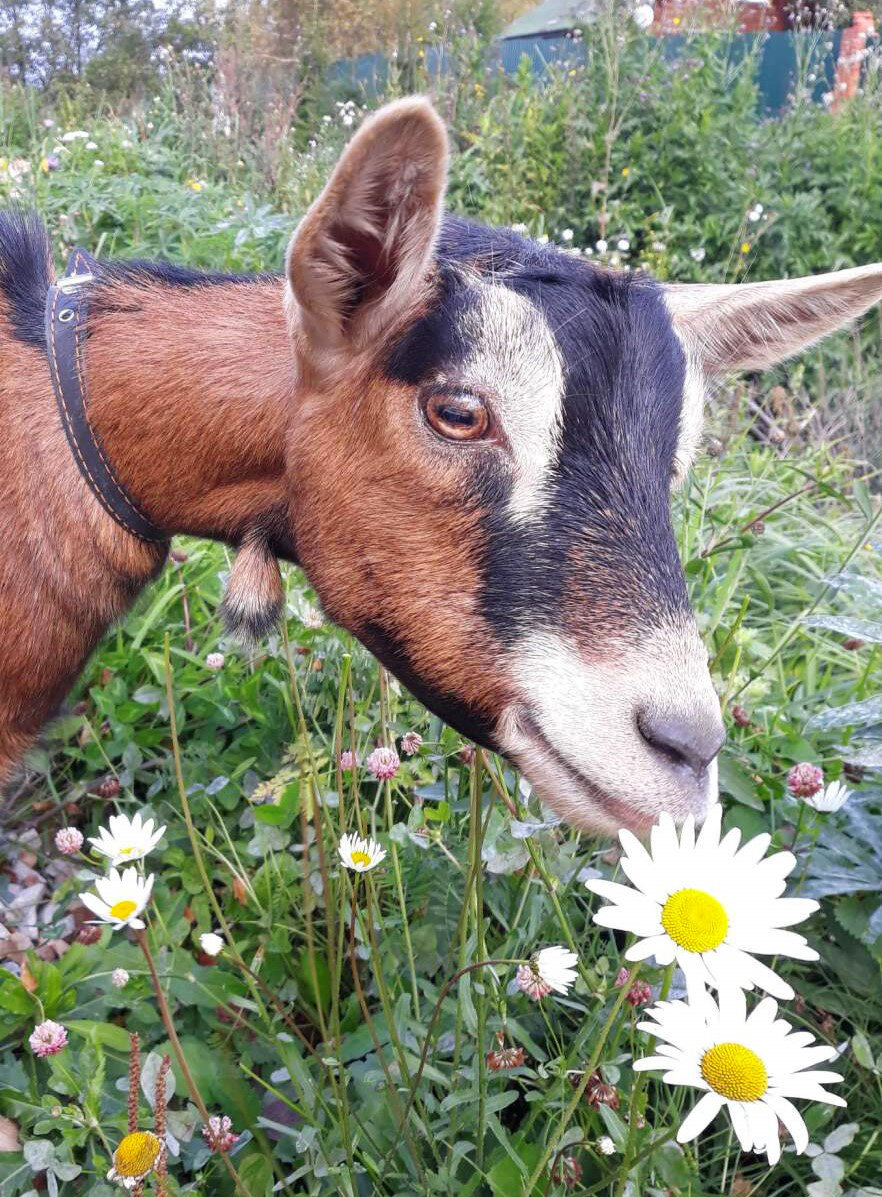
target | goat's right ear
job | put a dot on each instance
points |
(361, 255)
(751, 326)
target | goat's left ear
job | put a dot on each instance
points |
(361, 255)
(749, 326)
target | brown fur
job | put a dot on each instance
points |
(198, 441)
(374, 476)
(67, 569)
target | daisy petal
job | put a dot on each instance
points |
(792, 1120)
(95, 904)
(702, 1114)
(743, 1131)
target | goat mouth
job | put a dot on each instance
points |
(618, 813)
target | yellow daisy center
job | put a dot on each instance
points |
(361, 858)
(136, 1154)
(694, 920)
(735, 1072)
(122, 910)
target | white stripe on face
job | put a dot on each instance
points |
(514, 355)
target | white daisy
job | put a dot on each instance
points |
(121, 897)
(832, 798)
(752, 1064)
(360, 854)
(707, 904)
(127, 839)
(551, 970)
(135, 1158)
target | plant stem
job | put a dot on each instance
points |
(393, 852)
(445, 990)
(481, 950)
(369, 1022)
(165, 1014)
(188, 816)
(636, 1092)
(583, 1084)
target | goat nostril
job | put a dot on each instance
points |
(684, 741)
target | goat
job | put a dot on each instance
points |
(466, 439)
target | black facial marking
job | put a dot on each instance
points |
(602, 546)
(435, 340)
(605, 533)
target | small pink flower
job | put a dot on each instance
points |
(215, 662)
(567, 1171)
(218, 1133)
(639, 993)
(48, 1038)
(68, 840)
(348, 761)
(119, 978)
(383, 763)
(805, 780)
(505, 1057)
(531, 983)
(411, 743)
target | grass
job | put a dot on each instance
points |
(330, 1031)
(322, 1091)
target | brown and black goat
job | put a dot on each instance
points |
(467, 440)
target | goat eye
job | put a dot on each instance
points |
(457, 417)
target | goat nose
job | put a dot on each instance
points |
(693, 741)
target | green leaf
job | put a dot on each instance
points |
(314, 978)
(618, 1132)
(862, 1051)
(256, 1173)
(510, 1173)
(737, 781)
(284, 812)
(217, 1077)
(107, 1034)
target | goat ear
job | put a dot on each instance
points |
(748, 326)
(360, 257)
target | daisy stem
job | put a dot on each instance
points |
(549, 882)
(578, 1094)
(637, 1092)
(725, 1175)
(165, 1014)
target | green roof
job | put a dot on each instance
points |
(554, 16)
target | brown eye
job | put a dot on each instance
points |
(458, 417)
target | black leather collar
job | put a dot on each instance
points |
(65, 342)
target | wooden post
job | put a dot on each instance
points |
(851, 56)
